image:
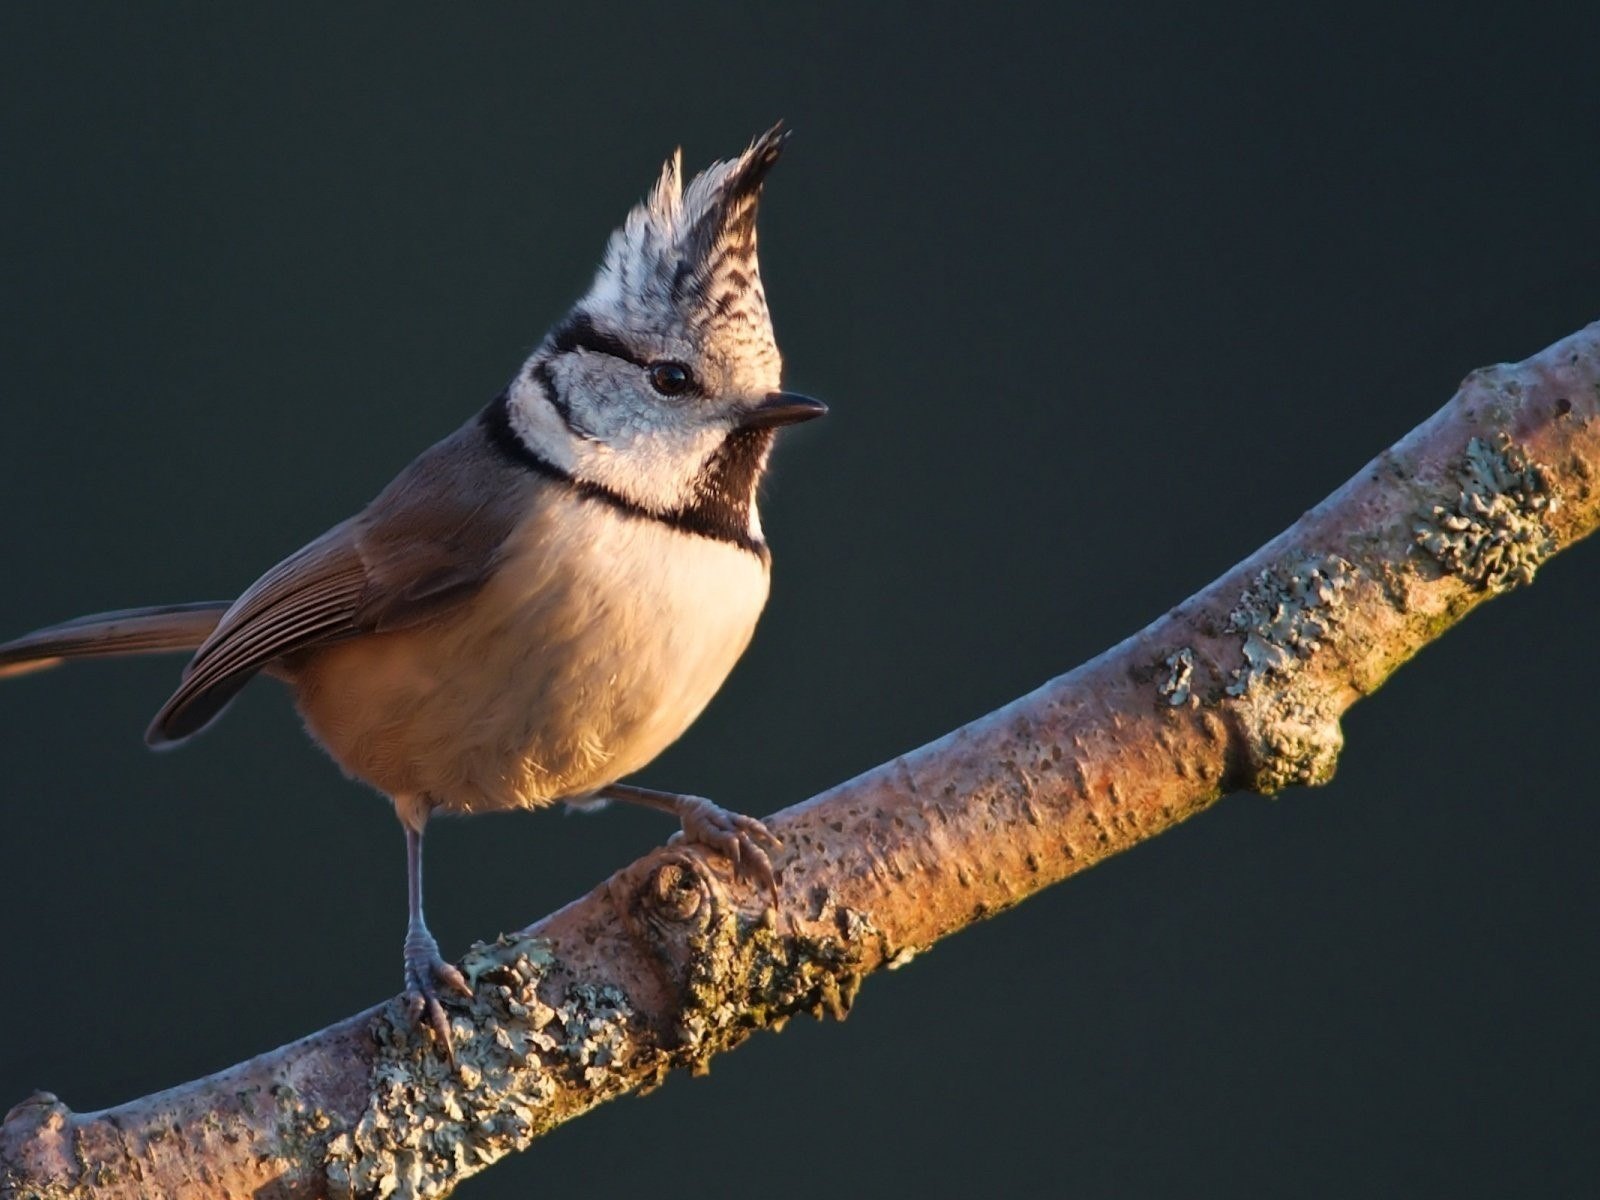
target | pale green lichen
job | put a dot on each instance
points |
(742, 979)
(1492, 532)
(10, 1189)
(1177, 687)
(1285, 613)
(428, 1124)
(527, 1059)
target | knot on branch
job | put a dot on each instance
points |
(1287, 741)
(1286, 725)
(37, 1143)
(667, 899)
(731, 963)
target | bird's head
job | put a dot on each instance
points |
(662, 383)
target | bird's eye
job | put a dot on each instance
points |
(670, 378)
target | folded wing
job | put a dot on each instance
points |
(427, 542)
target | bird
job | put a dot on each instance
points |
(543, 601)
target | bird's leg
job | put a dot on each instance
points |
(425, 969)
(744, 840)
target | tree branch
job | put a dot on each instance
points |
(672, 961)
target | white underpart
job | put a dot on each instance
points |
(598, 641)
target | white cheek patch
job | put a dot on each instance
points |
(604, 427)
(611, 433)
(538, 424)
(650, 465)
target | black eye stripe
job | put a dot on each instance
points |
(578, 332)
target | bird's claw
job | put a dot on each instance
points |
(426, 973)
(744, 840)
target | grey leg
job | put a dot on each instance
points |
(425, 969)
(743, 840)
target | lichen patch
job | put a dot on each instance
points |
(428, 1124)
(1177, 685)
(744, 978)
(1492, 533)
(1288, 728)
(1285, 614)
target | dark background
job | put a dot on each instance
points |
(1101, 304)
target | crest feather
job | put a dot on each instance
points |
(692, 250)
(666, 198)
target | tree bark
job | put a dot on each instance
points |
(673, 960)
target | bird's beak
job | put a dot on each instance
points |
(782, 408)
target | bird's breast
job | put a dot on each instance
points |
(595, 643)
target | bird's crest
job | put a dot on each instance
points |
(692, 251)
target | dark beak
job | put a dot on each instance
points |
(782, 408)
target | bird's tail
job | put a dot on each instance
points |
(156, 630)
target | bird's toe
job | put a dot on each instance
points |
(427, 977)
(743, 840)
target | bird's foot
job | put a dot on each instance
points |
(745, 841)
(426, 973)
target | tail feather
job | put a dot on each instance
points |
(164, 628)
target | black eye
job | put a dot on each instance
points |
(670, 378)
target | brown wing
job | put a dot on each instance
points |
(428, 541)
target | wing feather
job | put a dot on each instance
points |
(310, 596)
(428, 541)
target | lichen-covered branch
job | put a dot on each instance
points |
(672, 961)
